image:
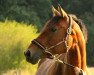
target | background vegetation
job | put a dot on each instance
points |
(30, 16)
(14, 40)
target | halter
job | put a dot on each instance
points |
(65, 41)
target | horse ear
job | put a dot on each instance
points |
(62, 12)
(55, 12)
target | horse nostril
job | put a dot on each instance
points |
(27, 53)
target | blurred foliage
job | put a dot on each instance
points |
(29, 11)
(89, 21)
(39, 11)
(14, 40)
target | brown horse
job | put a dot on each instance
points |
(64, 37)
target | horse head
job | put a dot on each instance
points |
(57, 37)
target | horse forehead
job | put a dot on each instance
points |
(54, 20)
(58, 22)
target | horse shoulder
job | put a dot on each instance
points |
(44, 67)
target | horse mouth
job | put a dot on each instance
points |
(32, 60)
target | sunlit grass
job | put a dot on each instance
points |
(26, 72)
(19, 72)
(91, 70)
(14, 39)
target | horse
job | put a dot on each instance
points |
(60, 48)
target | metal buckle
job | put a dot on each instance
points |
(69, 30)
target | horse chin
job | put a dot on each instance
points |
(34, 58)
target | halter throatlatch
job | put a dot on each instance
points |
(65, 41)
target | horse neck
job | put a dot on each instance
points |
(50, 67)
(77, 54)
(73, 58)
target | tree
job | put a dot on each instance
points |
(29, 11)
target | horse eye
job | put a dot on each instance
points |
(53, 29)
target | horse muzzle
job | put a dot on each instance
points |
(32, 58)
